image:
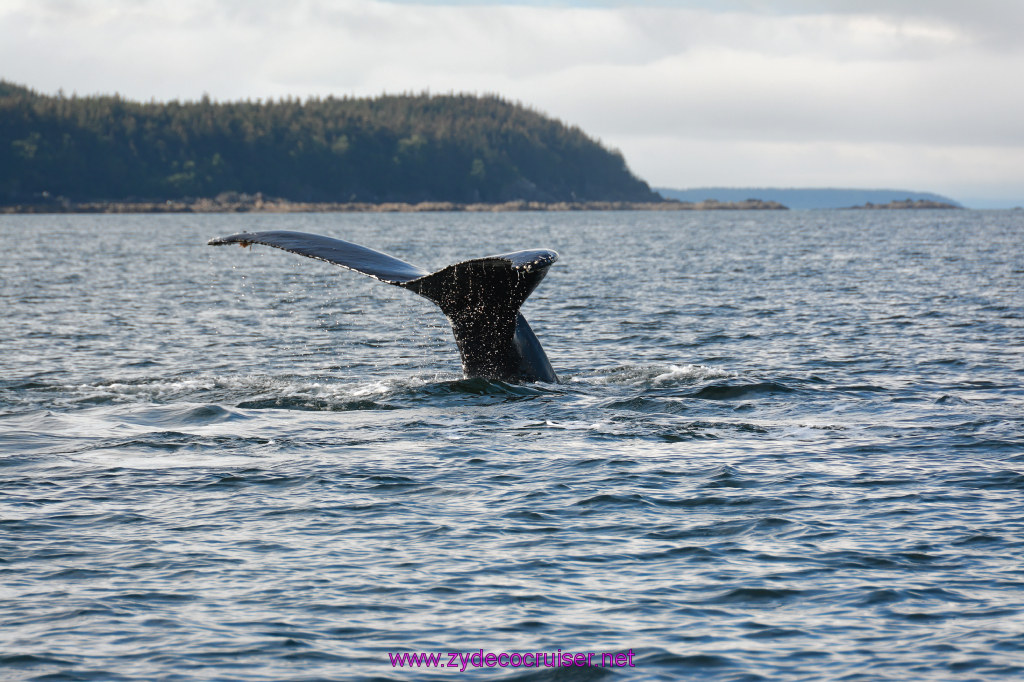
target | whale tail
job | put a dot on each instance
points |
(480, 297)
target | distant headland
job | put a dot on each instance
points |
(107, 151)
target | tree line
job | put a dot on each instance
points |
(407, 148)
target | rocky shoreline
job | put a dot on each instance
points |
(257, 204)
(904, 204)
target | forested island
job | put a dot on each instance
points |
(106, 152)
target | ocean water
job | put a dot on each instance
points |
(785, 446)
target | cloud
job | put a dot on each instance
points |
(735, 94)
(838, 92)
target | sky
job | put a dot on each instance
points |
(923, 96)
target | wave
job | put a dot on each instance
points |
(327, 393)
(733, 391)
(651, 375)
(206, 398)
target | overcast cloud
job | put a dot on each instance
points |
(912, 95)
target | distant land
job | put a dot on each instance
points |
(230, 202)
(907, 203)
(806, 198)
(389, 153)
(61, 152)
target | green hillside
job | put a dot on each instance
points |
(410, 148)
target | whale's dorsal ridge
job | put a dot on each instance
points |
(480, 297)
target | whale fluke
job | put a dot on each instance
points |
(480, 297)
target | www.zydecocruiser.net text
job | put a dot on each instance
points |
(463, 660)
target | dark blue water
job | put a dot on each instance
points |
(787, 446)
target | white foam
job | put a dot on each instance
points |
(646, 375)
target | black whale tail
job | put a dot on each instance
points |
(480, 297)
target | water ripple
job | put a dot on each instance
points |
(790, 449)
